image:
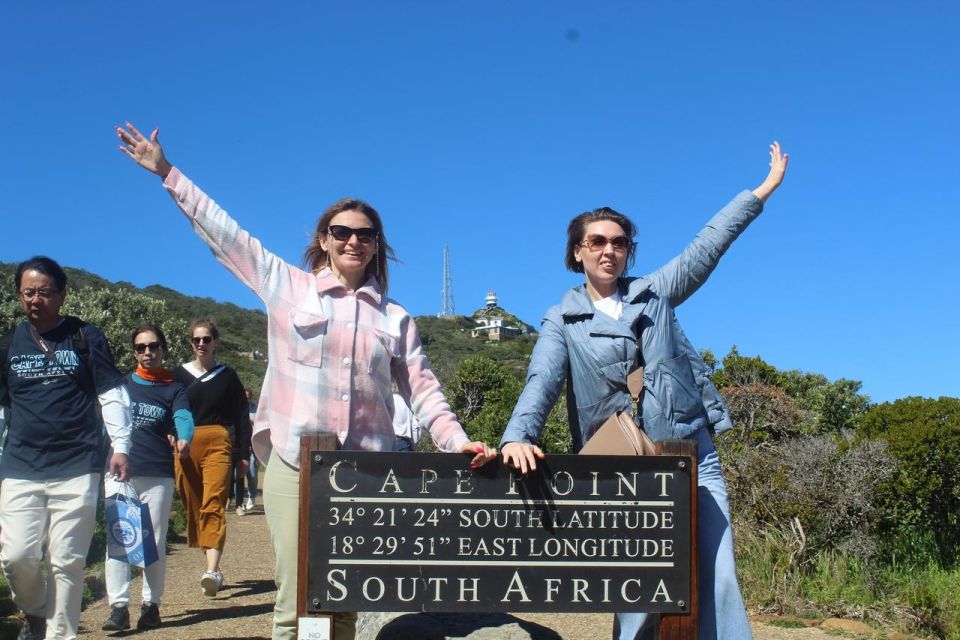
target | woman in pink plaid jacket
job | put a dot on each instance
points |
(336, 342)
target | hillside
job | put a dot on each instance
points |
(447, 341)
(243, 331)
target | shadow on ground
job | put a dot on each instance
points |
(440, 626)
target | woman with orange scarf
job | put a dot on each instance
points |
(160, 409)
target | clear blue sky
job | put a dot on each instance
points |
(488, 125)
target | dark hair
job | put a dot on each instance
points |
(206, 323)
(149, 327)
(46, 266)
(578, 227)
(316, 257)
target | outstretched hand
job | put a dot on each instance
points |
(522, 456)
(145, 152)
(778, 169)
(482, 453)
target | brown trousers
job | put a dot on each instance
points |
(203, 480)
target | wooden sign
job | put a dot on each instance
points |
(424, 532)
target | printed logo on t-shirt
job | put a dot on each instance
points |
(146, 414)
(31, 366)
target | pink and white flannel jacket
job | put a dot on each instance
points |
(332, 353)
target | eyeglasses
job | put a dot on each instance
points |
(43, 294)
(198, 340)
(342, 233)
(141, 347)
(596, 242)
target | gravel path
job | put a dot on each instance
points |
(244, 607)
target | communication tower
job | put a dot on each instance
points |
(446, 308)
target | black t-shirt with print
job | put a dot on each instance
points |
(54, 427)
(153, 405)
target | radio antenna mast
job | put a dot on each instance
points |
(446, 308)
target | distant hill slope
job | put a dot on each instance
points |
(446, 341)
(243, 331)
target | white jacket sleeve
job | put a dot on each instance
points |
(115, 407)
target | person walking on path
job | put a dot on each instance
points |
(610, 325)
(160, 409)
(239, 492)
(222, 427)
(336, 342)
(57, 379)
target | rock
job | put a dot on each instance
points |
(441, 626)
(849, 626)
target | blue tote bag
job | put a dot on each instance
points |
(129, 528)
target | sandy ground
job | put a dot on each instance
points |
(244, 607)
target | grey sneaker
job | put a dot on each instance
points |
(149, 616)
(34, 628)
(211, 583)
(119, 619)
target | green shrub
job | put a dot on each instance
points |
(921, 499)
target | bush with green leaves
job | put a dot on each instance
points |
(483, 393)
(921, 499)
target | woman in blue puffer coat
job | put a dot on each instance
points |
(592, 336)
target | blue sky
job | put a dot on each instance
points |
(487, 125)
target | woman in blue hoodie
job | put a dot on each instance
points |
(590, 341)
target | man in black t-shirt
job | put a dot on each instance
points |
(54, 373)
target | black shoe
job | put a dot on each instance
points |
(34, 628)
(119, 618)
(149, 616)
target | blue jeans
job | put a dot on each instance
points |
(252, 472)
(723, 615)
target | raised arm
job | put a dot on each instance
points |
(265, 273)
(684, 274)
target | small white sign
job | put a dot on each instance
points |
(315, 628)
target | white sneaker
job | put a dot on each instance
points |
(249, 504)
(211, 582)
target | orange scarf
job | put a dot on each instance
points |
(159, 375)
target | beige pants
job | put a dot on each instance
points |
(52, 519)
(203, 481)
(281, 502)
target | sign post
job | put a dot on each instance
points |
(424, 532)
(312, 624)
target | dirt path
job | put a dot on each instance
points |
(244, 607)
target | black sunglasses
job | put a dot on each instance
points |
(141, 347)
(342, 233)
(198, 340)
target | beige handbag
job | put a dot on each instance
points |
(619, 434)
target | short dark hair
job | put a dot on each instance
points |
(578, 227)
(149, 327)
(46, 266)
